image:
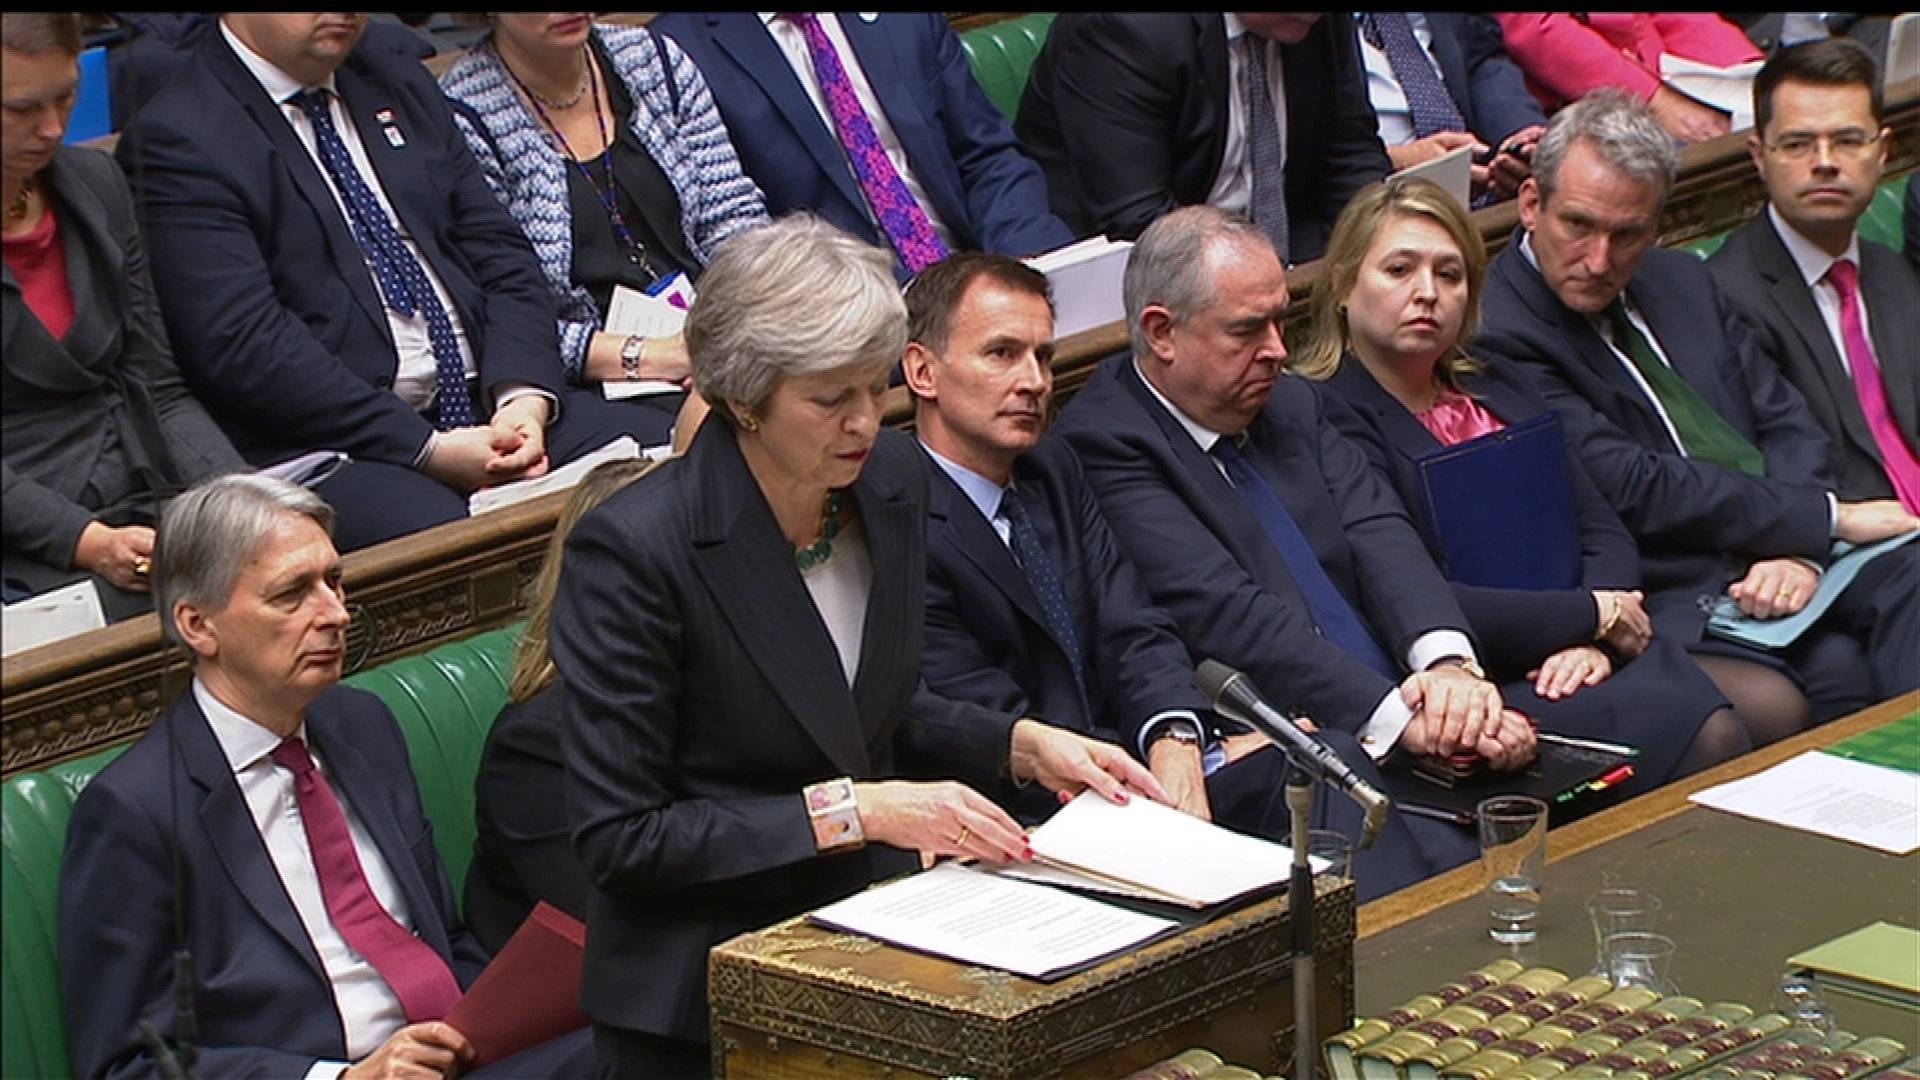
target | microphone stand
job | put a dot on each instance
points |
(1300, 902)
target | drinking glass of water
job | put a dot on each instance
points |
(1513, 852)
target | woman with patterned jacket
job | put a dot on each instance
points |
(604, 144)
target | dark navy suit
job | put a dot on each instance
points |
(1484, 82)
(1699, 525)
(987, 642)
(263, 1005)
(1755, 270)
(275, 318)
(1206, 559)
(1657, 701)
(959, 146)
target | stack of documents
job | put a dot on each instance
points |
(1879, 963)
(1086, 278)
(51, 616)
(1011, 918)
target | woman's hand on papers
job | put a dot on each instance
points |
(1178, 767)
(1568, 670)
(941, 818)
(1064, 762)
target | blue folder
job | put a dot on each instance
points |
(1502, 508)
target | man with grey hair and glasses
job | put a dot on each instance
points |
(1712, 460)
(269, 828)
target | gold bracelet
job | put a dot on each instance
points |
(835, 815)
(1613, 619)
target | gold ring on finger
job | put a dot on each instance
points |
(960, 838)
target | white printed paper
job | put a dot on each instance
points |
(635, 314)
(975, 917)
(1834, 796)
(51, 616)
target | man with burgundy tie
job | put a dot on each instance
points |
(875, 123)
(1712, 460)
(1034, 609)
(336, 274)
(267, 835)
(1839, 313)
(1258, 527)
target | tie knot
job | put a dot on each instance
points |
(312, 101)
(1229, 448)
(1010, 505)
(292, 755)
(1844, 276)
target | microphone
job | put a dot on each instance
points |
(1232, 694)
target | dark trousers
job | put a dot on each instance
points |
(1866, 648)
(630, 1055)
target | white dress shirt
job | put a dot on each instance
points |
(416, 381)
(1391, 716)
(370, 1011)
(793, 44)
(1383, 86)
(1813, 265)
(1233, 187)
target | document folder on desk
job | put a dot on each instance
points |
(1566, 778)
(1502, 508)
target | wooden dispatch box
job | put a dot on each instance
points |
(800, 1000)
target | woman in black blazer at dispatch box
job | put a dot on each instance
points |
(738, 633)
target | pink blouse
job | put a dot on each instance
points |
(1455, 418)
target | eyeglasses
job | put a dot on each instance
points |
(1848, 144)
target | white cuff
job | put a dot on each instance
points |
(1438, 645)
(326, 1070)
(516, 392)
(1151, 728)
(1384, 728)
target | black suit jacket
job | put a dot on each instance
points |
(100, 419)
(1484, 82)
(1127, 115)
(261, 997)
(987, 641)
(523, 838)
(1698, 524)
(1756, 272)
(704, 692)
(276, 320)
(1518, 627)
(1206, 559)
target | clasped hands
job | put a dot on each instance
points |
(950, 818)
(1456, 713)
(513, 446)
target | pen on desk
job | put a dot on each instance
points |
(1588, 744)
(1436, 813)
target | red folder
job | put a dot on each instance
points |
(530, 993)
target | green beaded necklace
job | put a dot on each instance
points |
(822, 549)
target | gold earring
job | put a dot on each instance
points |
(749, 421)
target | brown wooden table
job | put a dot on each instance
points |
(1739, 896)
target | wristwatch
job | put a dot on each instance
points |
(1179, 729)
(630, 351)
(1467, 664)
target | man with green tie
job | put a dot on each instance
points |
(1710, 457)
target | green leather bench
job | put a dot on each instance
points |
(445, 700)
(1001, 54)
